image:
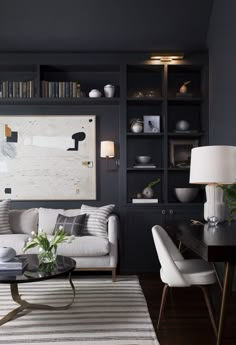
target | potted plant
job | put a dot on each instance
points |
(230, 199)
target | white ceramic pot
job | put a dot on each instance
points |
(95, 93)
(7, 254)
(109, 91)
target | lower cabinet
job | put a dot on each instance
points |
(137, 246)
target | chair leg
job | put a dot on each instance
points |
(207, 296)
(113, 274)
(163, 301)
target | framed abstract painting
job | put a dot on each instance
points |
(48, 157)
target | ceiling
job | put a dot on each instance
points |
(104, 25)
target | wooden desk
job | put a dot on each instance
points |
(213, 244)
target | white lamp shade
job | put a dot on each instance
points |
(107, 149)
(213, 164)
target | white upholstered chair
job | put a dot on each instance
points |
(178, 272)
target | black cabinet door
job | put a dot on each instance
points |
(184, 213)
(140, 252)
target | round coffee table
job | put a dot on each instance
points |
(33, 273)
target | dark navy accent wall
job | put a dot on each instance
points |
(222, 73)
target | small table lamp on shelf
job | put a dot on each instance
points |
(213, 165)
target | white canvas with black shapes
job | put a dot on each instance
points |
(48, 157)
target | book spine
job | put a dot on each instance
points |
(67, 91)
(11, 266)
(24, 89)
(20, 89)
(17, 89)
(0, 89)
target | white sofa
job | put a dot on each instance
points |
(89, 252)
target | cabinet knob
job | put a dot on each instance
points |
(171, 211)
(163, 211)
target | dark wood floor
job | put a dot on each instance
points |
(186, 320)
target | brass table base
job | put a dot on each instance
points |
(31, 306)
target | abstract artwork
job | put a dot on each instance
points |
(48, 157)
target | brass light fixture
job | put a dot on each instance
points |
(167, 57)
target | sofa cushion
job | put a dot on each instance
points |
(48, 217)
(70, 225)
(85, 246)
(24, 221)
(95, 223)
(4, 217)
(16, 241)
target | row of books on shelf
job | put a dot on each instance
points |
(16, 89)
(60, 89)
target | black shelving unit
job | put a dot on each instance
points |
(142, 88)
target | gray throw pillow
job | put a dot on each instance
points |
(71, 225)
(95, 223)
(4, 217)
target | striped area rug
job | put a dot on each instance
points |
(104, 313)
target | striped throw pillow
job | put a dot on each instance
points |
(4, 217)
(95, 223)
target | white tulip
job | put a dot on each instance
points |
(33, 233)
(30, 239)
(60, 227)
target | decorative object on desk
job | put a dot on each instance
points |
(109, 90)
(230, 199)
(136, 125)
(151, 123)
(148, 191)
(183, 88)
(47, 247)
(213, 166)
(182, 125)
(94, 93)
(186, 194)
(180, 152)
(195, 222)
(143, 159)
(7, 254)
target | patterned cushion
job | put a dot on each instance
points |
(95, 223)
(4, 217)
(71, 225)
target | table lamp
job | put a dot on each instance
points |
(213, 165)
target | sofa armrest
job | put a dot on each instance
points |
(113, 234)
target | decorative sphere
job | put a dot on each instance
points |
(148, 192)
(182, 125)
(7, 254)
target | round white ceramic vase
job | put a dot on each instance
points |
(7, 254)
(109, 91)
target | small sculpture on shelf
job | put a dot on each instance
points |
(183, 90)
(136, 125)
(94, 93)
(146, 196)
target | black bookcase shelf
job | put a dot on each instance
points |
(172, 108)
